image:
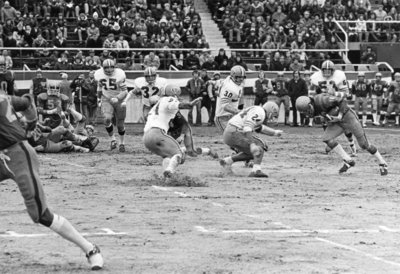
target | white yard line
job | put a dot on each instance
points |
(65, 162)
(106, 232)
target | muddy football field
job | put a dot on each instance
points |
(304, 218)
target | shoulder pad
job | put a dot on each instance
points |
(43, 96)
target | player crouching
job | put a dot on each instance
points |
(155, 136)
(240, 135)
(341, 118)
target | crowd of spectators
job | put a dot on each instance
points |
(303, 24)
(114, 24)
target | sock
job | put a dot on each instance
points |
(339, 150)
(397, 119)
(228, 160)
(205, 150)
(183, 149)
(165, 162)
(256, 167)
(311, 121)
(122, 139)
(77, 116)
(110, 130)
(374, 116)
(173, 163)
(380, 158)
(364, 119)
(378, 118)
(63, 227)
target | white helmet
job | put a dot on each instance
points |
(108, 67)
(53, 88)
(327, 67)
(172, 90)
(238, 74)
(271, 110)
(303, 105)
(150, 74)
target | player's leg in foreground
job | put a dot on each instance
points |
(158, 142)
(108, 113)
(27, 178)
(248, 147)
(352, 124)
(120, 115)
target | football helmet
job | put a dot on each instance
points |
(150, 74)
(238, 74)
(361, 75)
(305, 106)
(53, 88)
(261, 74)
(397, 76)
(172, 90)
(108, 67)
(271, 110)
(328, 67)
(378, 74)
(3, 65)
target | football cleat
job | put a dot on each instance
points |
(95, 259)
(383, 168)
(88, 144)
(327, 149)
(346, 166)
(5, 171)
(121, 148)
(226, 166)
(113, 144)
(167, 173)
(249, 164)
(258, 174)
(95, 141)
(376, 123)
(353, 151)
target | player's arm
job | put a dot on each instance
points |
(210, 87)
(26, 105)
(270, 131)
(124, 90)
(188, 105)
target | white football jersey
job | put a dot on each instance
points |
(337, 81)
(149, 90)
(113, 85)
(252, 117)
(229, 94)
(161, 113)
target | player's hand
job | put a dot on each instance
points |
(4, 157)
(114, 100)
(39, 109)
(334, 119)
(278, 133)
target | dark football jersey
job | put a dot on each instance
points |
(360, 88)
(280, 87)
(7, 82)
(11, 131)
(378, 87)
(49, 102)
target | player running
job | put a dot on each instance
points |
(111, 93)
(151, 87)
(378, 91)
(341, 118)
(155, 136)
(18, 161)
(240, 134)
(334, 82)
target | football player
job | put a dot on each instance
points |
(51, 103)
(334, 82)
(19, 162)
(111, 93)
(394, 99)
(155, 136)
(240, 134)
(230, 97)
(311, 91)
(361, 89)
(7, 81)
(378, 91)
(341, 118)
(150, 86)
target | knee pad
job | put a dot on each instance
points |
(121, 131)
(331, 143)
(110, 129)
(47, 218)
(256, 151)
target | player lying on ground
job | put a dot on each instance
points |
(240, 134)
(155, 136)
(18, 161)
(111, 93)
(179, 126)
(341, 118)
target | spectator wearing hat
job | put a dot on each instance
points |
(191, 62)
(151, 60)
(116, 29)
(297, 87)
(93, 35)
(195, 87)
(38, 85)
(104, 28)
